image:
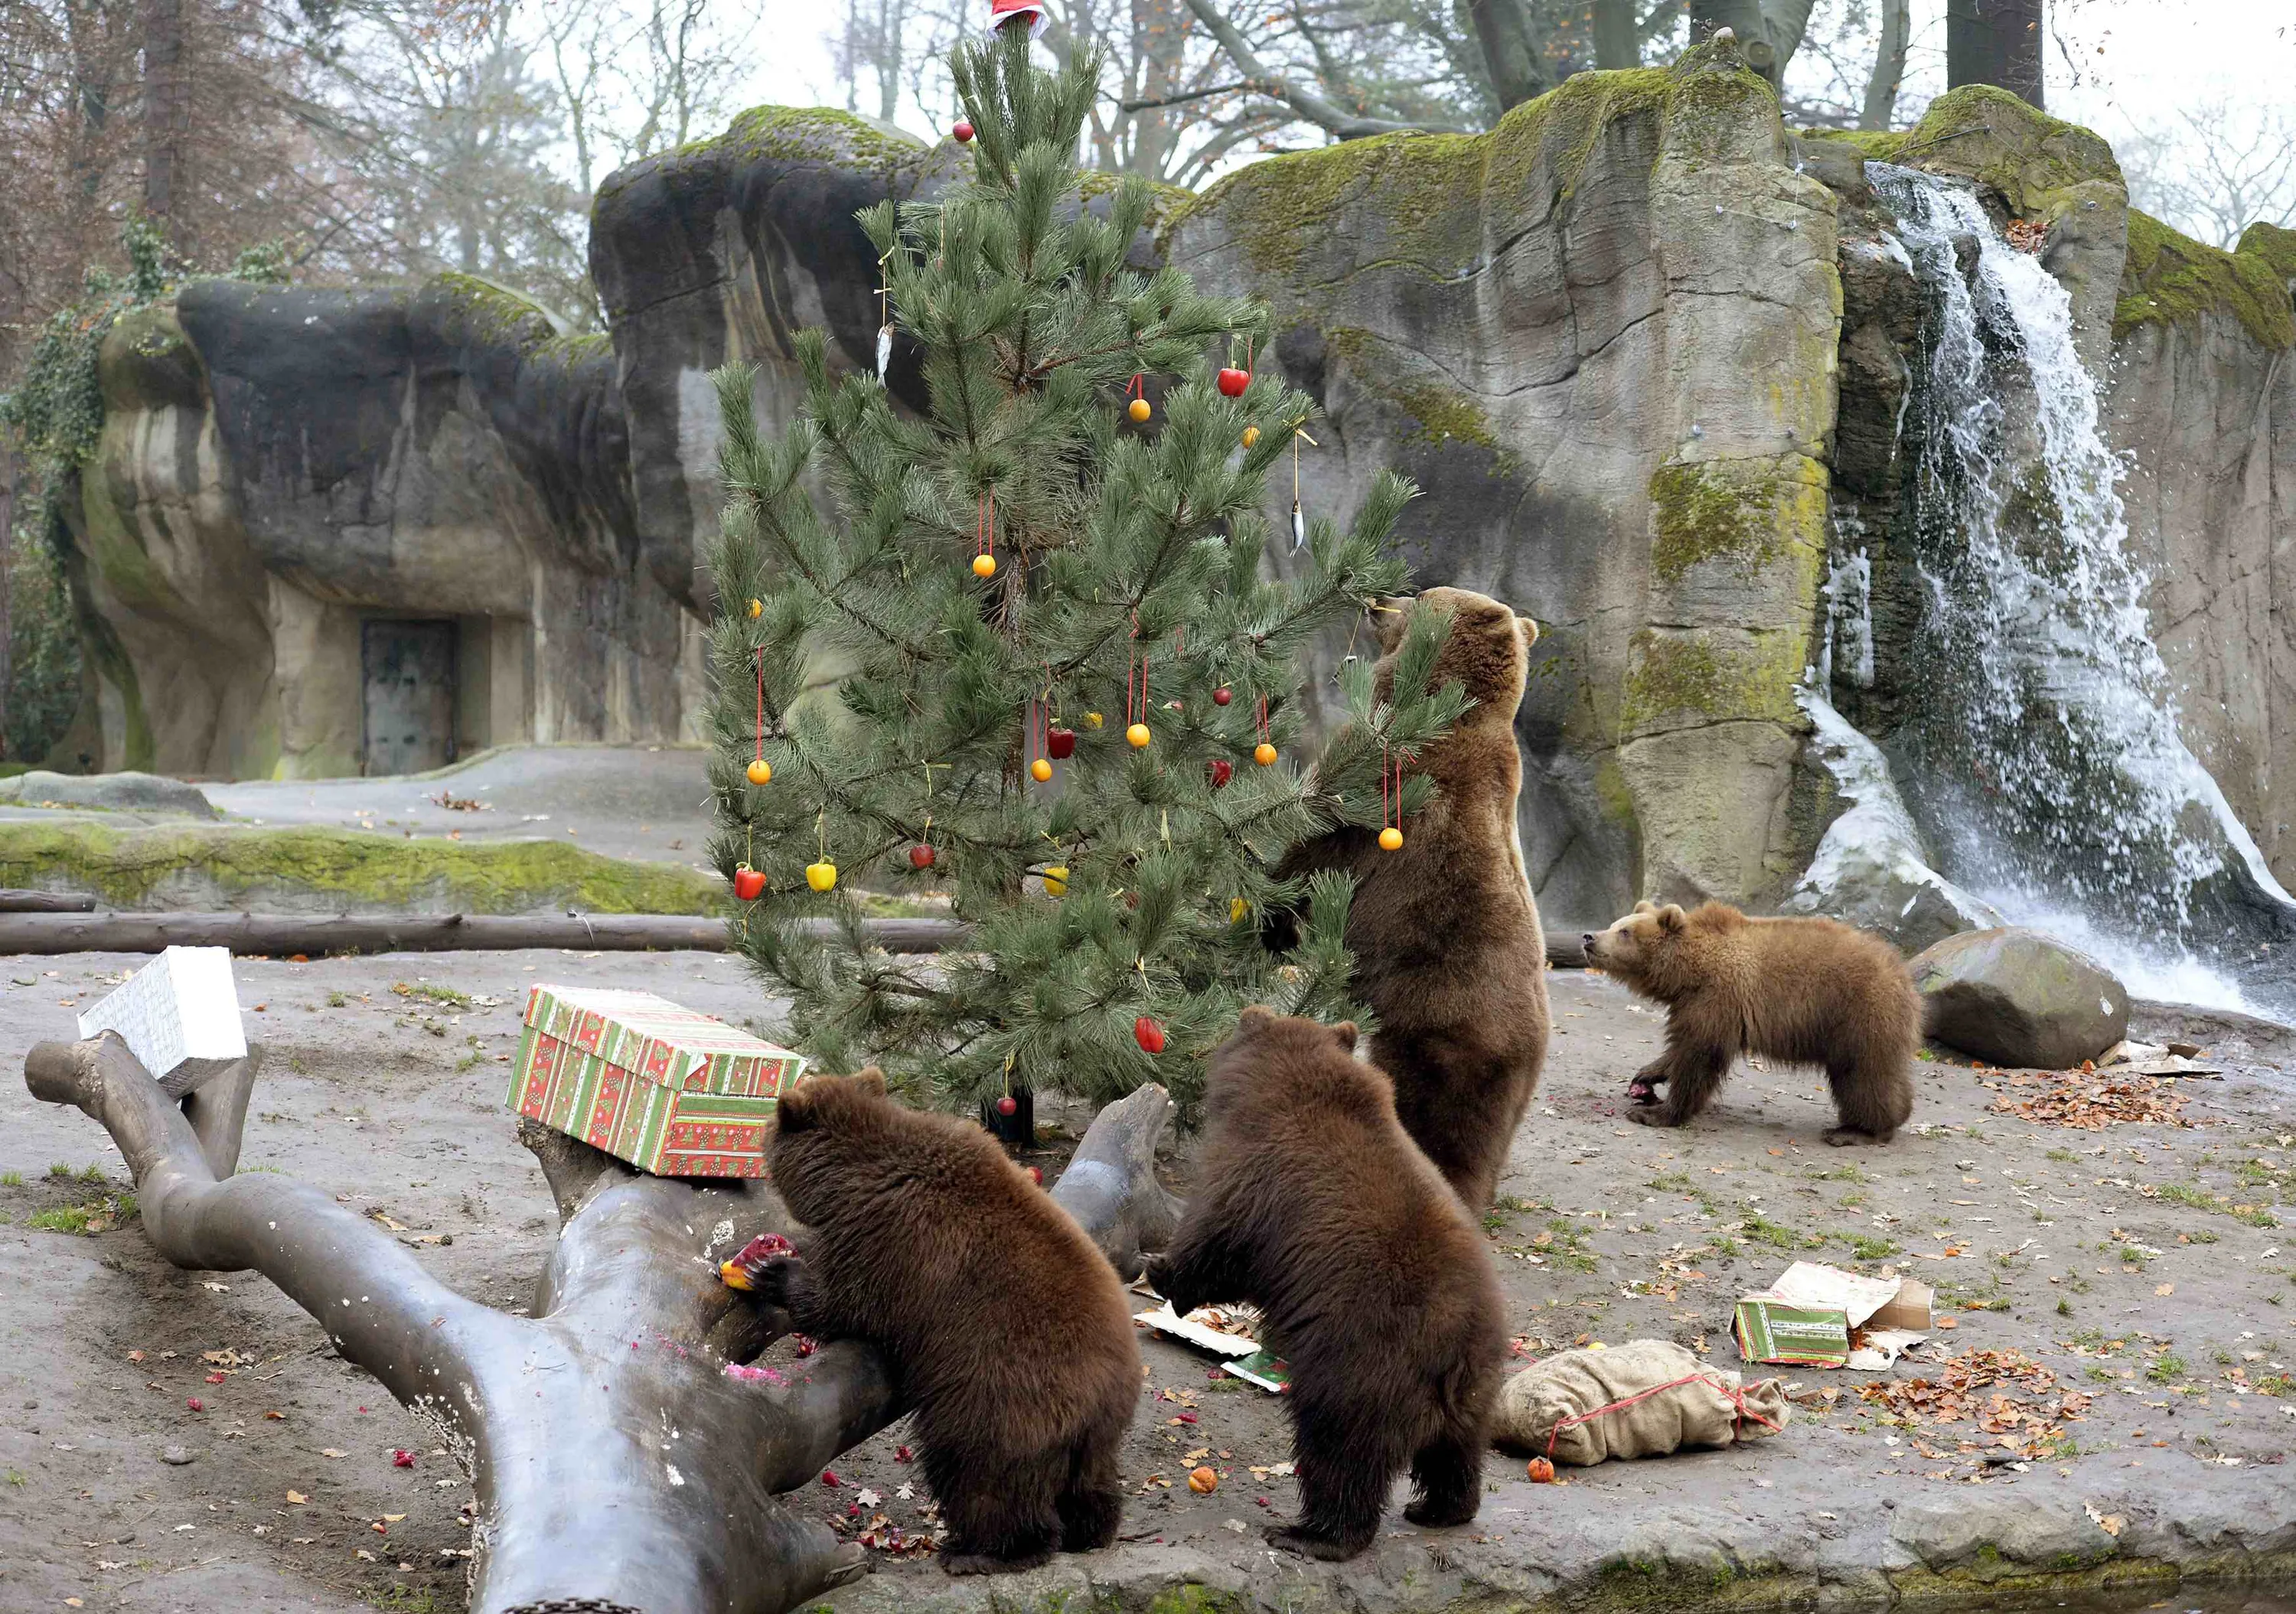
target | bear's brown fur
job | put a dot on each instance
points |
(1448, 948)
(1312, 1202)
(1805, 990)
(1007, 1328)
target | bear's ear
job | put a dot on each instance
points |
(1344, 1034)
(1670, 917)
(871, 1080)
(1528, 629)
(1259, 1017)
(1390, 616)
(1646, 907)
(794, 1111)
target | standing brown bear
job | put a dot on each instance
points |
(1448, 948)
(1809, 991)
(1312, 1203)
(1007, 1328)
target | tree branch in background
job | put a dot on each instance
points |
(1515, 49)
(1324, 114)
(1769, 31)
(1881, 102)
(1183, 99)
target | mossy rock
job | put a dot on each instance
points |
(1428, 200)
(2004, 143)
(1689, 680)
(1872, 145)
(2169, 279)
(315, 870)
(1742, 511)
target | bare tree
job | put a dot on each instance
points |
(2214, 167)
(616, 1459)
(1880, 102)
(1769, 31)
(1996, 42)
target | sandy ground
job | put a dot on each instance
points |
(2136, 1264)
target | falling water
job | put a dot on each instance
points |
(2042, 756)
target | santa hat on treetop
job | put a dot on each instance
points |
(1002, 12)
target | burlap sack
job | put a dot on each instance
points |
(1570, 1406)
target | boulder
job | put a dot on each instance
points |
(108, 792)
(2015, 997)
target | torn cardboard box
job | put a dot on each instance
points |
(1225, 1331)
(1822, 1316)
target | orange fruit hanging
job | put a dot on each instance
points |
(1264, 754)
(984, 566)
(760, 771)
(1040, 770)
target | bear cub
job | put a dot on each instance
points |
(1444, 931)
(1312, 1203)
(1006, 1326)
(1810, 991)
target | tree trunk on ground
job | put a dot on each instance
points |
(25, 929)
(1897, 34)
(1617, 41)
(614, 1458)
(1769, 31)
(1996, 42)
(166, 117)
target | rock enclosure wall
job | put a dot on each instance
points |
(1641, 347)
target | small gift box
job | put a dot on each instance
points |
(673, 1092)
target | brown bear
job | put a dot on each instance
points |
(1805, 990)
(1448, 948)
(1006, 1327)
(1312, 1203)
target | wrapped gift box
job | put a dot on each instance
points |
(673, 1092)
(179, 1015)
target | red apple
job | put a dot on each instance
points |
(1007, 1105)
(921, 855)
(1233, 382)
(963, 131)
(1222, 770)
(748, 885)
(1060, 743)
(1035, 1176)
(1222, 695)
(1148, 1034)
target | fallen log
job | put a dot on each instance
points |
(45, 902)
(317, 934)
(619, 1466)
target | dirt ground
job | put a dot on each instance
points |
(2140, 1267)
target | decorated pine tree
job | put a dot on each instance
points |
(1021, 648)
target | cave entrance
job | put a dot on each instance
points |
(408, 674)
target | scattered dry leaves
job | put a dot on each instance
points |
(2084, 1100)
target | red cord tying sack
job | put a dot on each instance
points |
(1642, 1399)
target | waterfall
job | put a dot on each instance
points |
(2038, 745)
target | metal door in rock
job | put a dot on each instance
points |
(409, 674)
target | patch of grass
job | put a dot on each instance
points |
(336, 1000)
(1759, 1229)
(405, 1600)
(2064, 1307)
(64, 1218)
(12, 1179)
(13, 1477)
(2165, 1369)
(97, 1216)
(2066, 1156)
(2276, 1384)
(2221, 1204)
(91, 1174)
(1569, 1245)
(1677, 1182)
(1840, 1173)
(1728, 1248)
(425, 992)
(59, 1171)
(1872, 1249)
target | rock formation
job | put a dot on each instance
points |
(1642, 347)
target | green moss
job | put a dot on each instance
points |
(1874, 145)
(1429, 202)
(1684, 680)
(494, 314)
(1994, 137)
(1190, 1598)
(1742, 511)
(2274, 245)
(343, 869)
(2169, 279)
(802, 133)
